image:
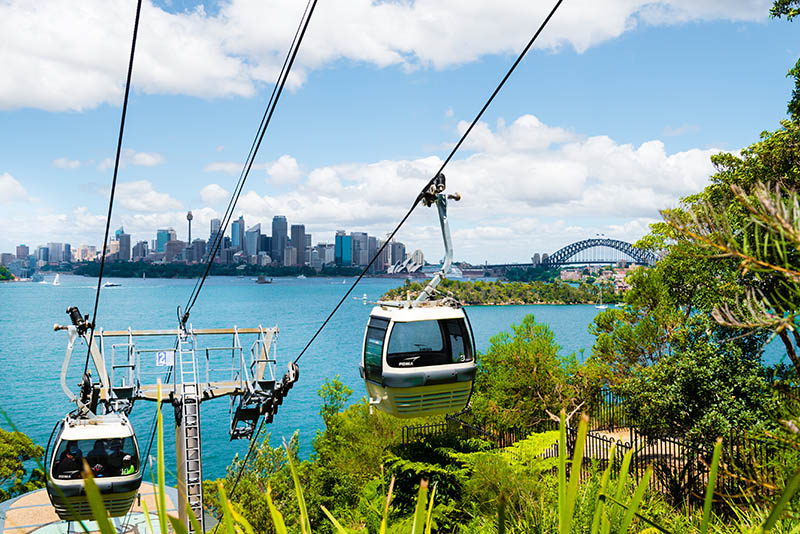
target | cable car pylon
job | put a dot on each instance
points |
(198, 374)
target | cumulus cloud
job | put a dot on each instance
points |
(525, 183)
(10, 189)
(140, 196)
(130, 156)
(213, 194)
(64, 163)
(284, 170)
(61, 55)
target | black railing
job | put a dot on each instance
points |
(680, 466)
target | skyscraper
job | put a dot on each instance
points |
(360, 242)
(162, 236)
(124, 253)
(251, 240)
(237, 233)
(299, 243)
(23, 252)
(56, 252)
(213, 235)
(119, 231)
(343, 249)
(280, 237)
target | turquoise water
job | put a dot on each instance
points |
(31, 353)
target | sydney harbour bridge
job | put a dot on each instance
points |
(596, 251)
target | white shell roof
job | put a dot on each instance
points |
(104, 426)
(427, 313)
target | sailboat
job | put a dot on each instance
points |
(600, 305)
(56, 282)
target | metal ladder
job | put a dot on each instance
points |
(190, 477)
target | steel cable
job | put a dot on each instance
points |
(114, 181)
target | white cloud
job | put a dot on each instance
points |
(213, 194)
(284, 170)
(132, 157)
(64, 163)
(669, 131)
(140, 196)
(228, 167)
(61, 55)
(529, 184)
(10, 189)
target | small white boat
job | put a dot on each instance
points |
(56, 282)
(301, 277)
(111, 284)
(600, 305)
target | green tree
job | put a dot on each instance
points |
(522, 381)
(16, 451)
(5, 274)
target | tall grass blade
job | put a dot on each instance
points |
(600, 505)
(429, 520)
(562, 471)
(653, 525)
(501, 514)
(574, 477)
(783, 502)
(193, 520)
(339, 528)
(147, 516)
(419, 511)
(96, 502)
(177, 526)
(305, 524)
(712, 485)
(277, 517)
(636, 501)
(162, 496)
(385, 519)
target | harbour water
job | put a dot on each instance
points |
(31, 353)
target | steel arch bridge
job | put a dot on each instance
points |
(571, 254)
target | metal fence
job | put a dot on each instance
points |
(680, 466)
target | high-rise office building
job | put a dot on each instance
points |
(117, 233)
(298, 235)
(213, 235)
(237, 233)
(360, 243)
(343, 251)
(56, 252)
(67, 252)
(280, 237)
(162, 236)
(265, 244)
(124, 253)
(23, 252)
(173, 250)
(43, 254)
(140, 251)
(397, 252)
(372, 249)
(251, 240)
(289, 256)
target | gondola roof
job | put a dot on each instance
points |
(102, 427)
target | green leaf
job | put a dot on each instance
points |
(301, 501)
(712, 482)
(783, 502)
(633, 506)
(419, 512)
(177, 526)
(96, 502)
(339, 527)
(277, 517)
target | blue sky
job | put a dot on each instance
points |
(613, 117)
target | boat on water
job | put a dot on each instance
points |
(56, 281)
(111, 284)
(37, 277)
(301, 277)
(263, 280)
(600, 305)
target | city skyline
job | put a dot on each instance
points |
(612, 116)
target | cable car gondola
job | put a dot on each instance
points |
(107, 443)
(418, 357)
(418, 360)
